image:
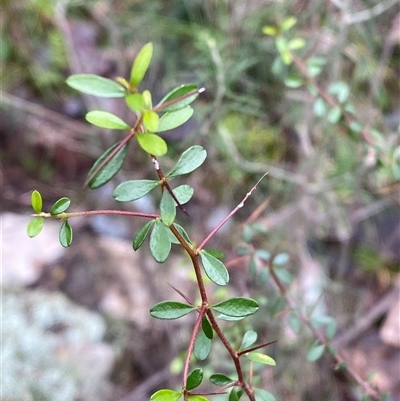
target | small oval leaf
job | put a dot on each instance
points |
(170, 310)
(183, 193)
(65, 236)
(237, 307)
(35, 226)
(207, 328)
(220, 379)
(194, 379)
(196, 397)
(160, 243)
(60, 206)
(315, 352)
(175, 119)
(36, 201)
(104, 119)
(134, 189)
(263, 395)
(249, 338)
(152, 143)
(151, 120)
(96, 85)
(167, 208)
(202, 346)
(180, 91)
(135, 102)
(110, 169)
(141, 64)
(141, 235)
(261, 358)
(166, 395)
(215, 269)
(190, 159)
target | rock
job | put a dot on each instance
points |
(24, 258)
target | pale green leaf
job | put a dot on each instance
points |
(249, 338)
(215, 269)
(35, 226)
(170, 310)
(133, 189)
(135, 102)
(166, 395)
(237, 307)
(96, 85)
(151, 120)
(179, 92)
(160, 243)
(261, 358)
(36, 201)
(141, 64)
(202, 346)
(104, 119)
(175, 119)
(167, 208)
(189, 161)
(152, 143)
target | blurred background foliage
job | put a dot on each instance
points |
(330, 201)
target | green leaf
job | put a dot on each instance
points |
(207, 328)
(340, 89)
(65, 236)
(233, 395)
(148, 103)
(202, 346)
(104, 119)
(249, 338)
(152, 144)
(175, 119)
(190, 159)
(183, 193)
(160, 243)
(141, 235)
(293, 82)
(315, 352)
(281, 259)
(183, 233)
(197, 397)
(261, 358)
(288, 23)
(170, 310)
(165, 395)
(141, 64)
(35, 226)
(60, 206)
(110, 169)
(263, 395)
(237, 307)
(151, 120)
(133, 189)
(320, 108)
(334, 115)
(135, 102)
(167, 208)
(216, 253)
(215, 269)
(296, 43)
(270, 30)
(36, 201)
(96, 85)
(315, 66)
(220, 379)
(230, 318)
(194, 379)
(176, 94)
(328, 321)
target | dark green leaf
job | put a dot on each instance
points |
(152, 144)
(249, 338)
(141, 64)
(167, 208)
(194, 379)
(135, 102)
(237, 307)
(165, 395)
(315, 352)
(110, 169)
(96, 85)
(65, 236)
(233, 395)
(170, 310)
(104, 119)
(160, 243)
(175, 119)
(183, 193)
(141, 235)
(207, 328)
(220, 379)
(177, 93)
(261, 358)
(134, 189)
(151, 120)
(216, 253)
(60, 206)
(190, 159)
(215, 269)
(35, 226)
(36, 201)
(202, 346)
(263, 395)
